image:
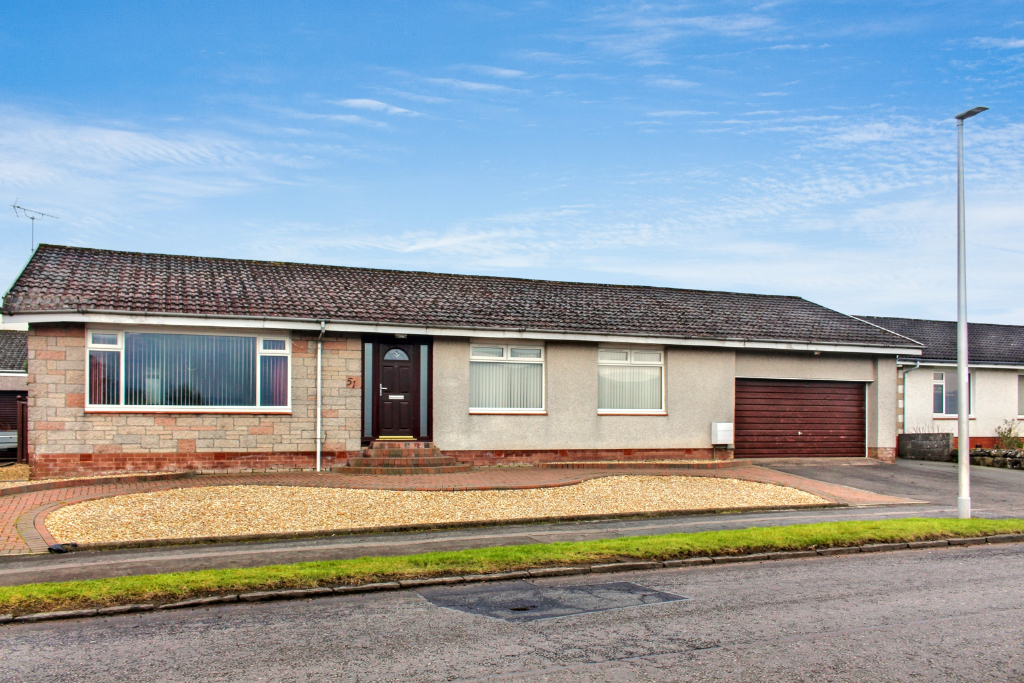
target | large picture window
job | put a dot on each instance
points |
(630, 380)
(137, 370)
(506, 378)
(945, 394)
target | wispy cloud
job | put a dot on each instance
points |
(473, 86)
(496, 72)
(669, 82)
(772, 94)
(1002, 43)
(678, 112)
(788, 46)
(340, 118)
(374, 105)
(415, 97)
(551, 57)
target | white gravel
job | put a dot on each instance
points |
(234, 510)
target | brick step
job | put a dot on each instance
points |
(403, 445)
(447, 469)
(398, 453)
(414, 461)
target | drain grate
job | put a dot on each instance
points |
(525, 601)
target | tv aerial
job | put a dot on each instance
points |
(32, 215)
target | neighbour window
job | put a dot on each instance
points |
(1020, 394)
(506, 378)
(168, 370)
(630, 380)
(944, 393)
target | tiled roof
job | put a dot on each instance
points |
(62, 278)
(985, 343)
(13, 350)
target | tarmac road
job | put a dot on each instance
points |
(950, 614)
(996, 493)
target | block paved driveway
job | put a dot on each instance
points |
(22, 515)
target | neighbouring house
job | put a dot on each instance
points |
(158, 362)
(13, 375)
(928, 383)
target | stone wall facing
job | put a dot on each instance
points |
(65, 440)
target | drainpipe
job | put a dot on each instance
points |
(319, 401)
(917, 364)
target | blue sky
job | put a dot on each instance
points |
(802, 148)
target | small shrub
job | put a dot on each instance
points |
(1009, 439)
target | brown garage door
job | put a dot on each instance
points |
(784, 418)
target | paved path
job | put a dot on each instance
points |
(901, 616)
(22, 516)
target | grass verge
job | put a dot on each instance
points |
(161, 588)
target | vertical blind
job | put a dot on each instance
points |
(512, 386)
(273, 380)
(104, 377)
(629, 387)
(189, 370)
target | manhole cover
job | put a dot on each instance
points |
(525, 601)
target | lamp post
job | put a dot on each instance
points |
(963, 501)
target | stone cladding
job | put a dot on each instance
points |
(66, 440)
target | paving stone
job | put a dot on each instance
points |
(287, 594)
(199, 602)
(966, 541)
(927, 544)
(558, 571)
(1005, 538)
(839, 551)
(624, 567)
(729, 559)
(882, 547)
(437, 581)
(792, 554)
(367, 588)
(688, 562)
(502, 576)
(125, 609)
(50, 616)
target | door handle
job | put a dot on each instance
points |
(382, 388)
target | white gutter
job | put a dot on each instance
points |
(319, 401)
(255, 322)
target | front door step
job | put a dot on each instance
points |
(402, 457)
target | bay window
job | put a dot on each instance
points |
(506, 378)
(133, 370)
(630, 380)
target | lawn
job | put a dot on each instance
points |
(182, 585)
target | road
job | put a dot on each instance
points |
(997, 493)
(952, 614)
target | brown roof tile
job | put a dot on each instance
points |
(60, 278)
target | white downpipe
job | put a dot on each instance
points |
(319, 384)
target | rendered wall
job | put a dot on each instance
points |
(699, 390)
(995, 400)
(64, 439)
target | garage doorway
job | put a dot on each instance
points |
(790, 418)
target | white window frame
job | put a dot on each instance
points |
(632, 350)
(506, 357)
(970, 388)
(119, 347)
(1020, 415)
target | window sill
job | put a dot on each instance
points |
(508, 412)
(651, 413)
(159, 410)
(950, 417)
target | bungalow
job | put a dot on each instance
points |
(158, 362)
(928, 383)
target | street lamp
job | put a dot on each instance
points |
(963, 501)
